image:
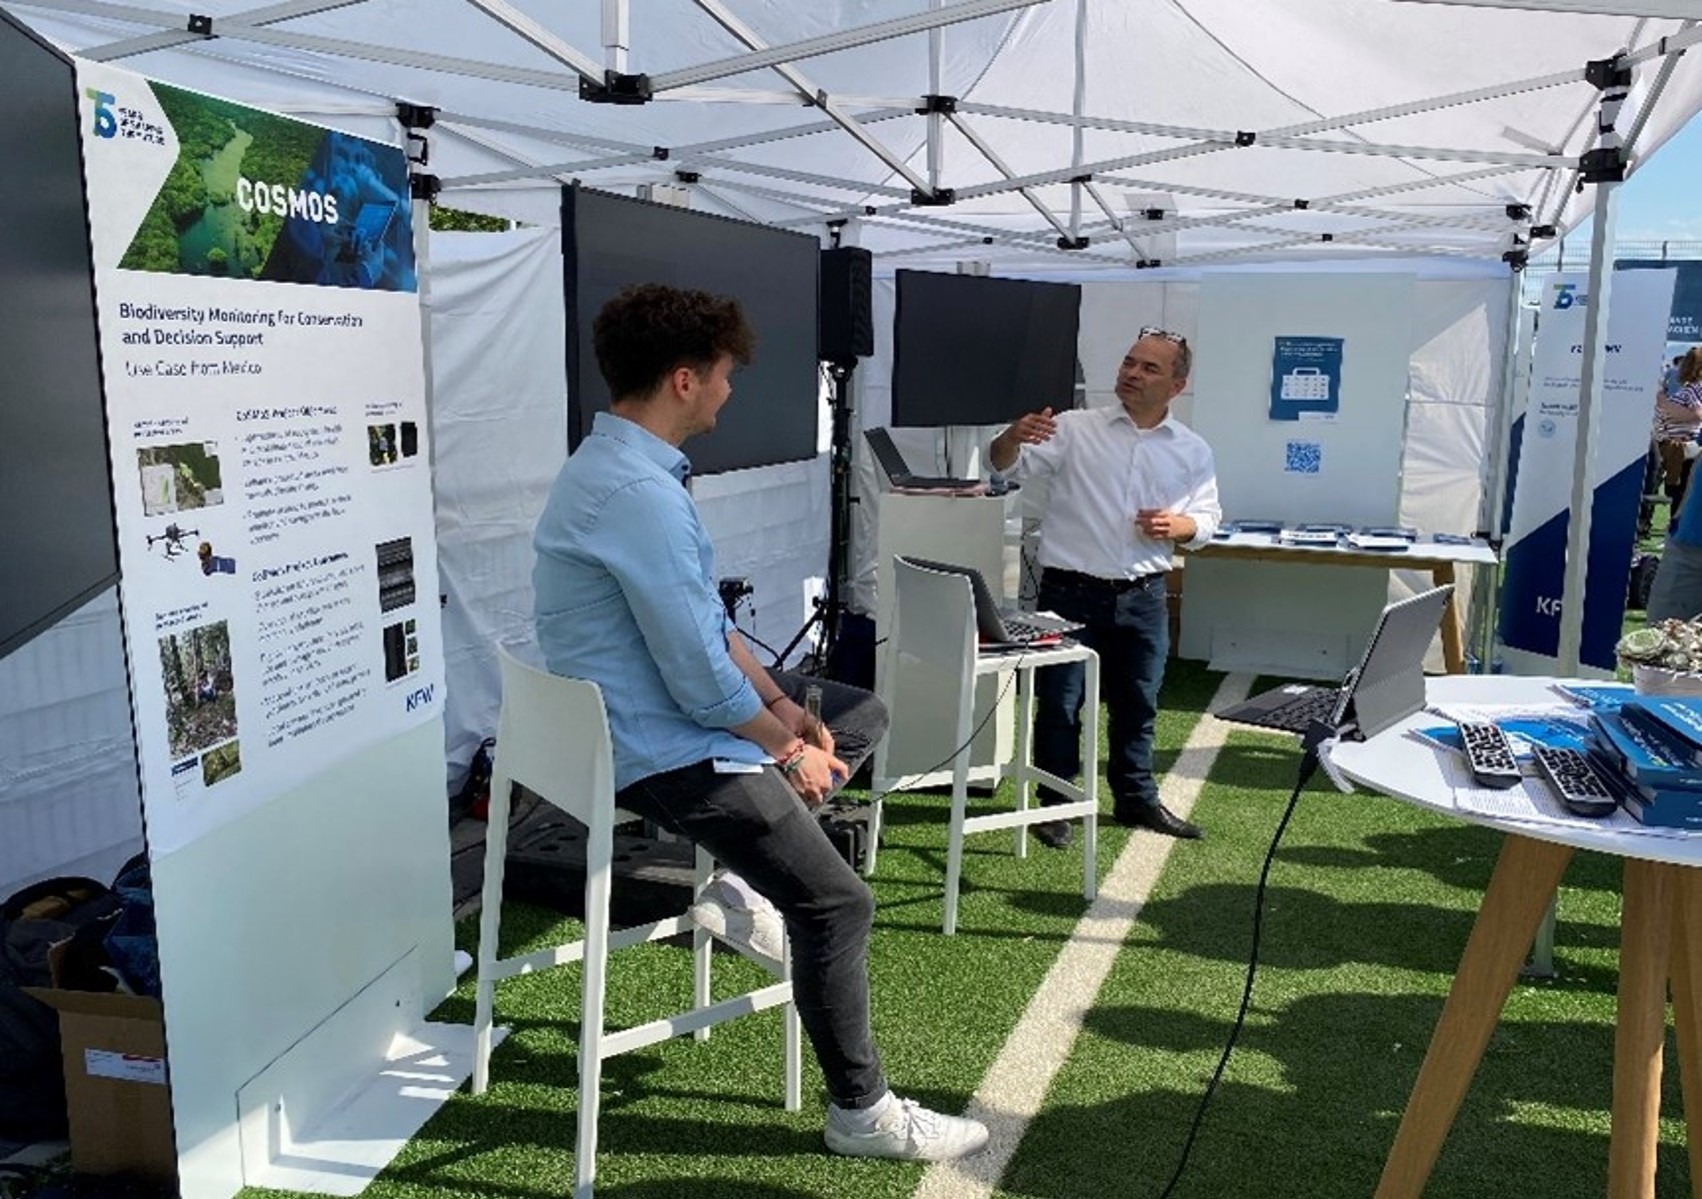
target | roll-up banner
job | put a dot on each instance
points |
(265, 397)
(1535, 555)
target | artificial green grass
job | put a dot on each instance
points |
(704, 1118)
(1368, 909)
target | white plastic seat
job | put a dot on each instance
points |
(553, 739)
(928, 679)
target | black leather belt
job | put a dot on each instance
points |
(1076, 581)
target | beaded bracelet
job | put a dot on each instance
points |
(793, 760)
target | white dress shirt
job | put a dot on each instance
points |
(1103, 470)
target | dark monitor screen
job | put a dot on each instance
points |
(55, 483)
(610, 242)
(973, 350)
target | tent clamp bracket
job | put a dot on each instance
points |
(617, 88)
(1545, 231)
(944, 106)
(1516, 259)
(1303, 205)
(1072, 243)
(940, 197)
(1146, 264)
(1152, 214)
(1518, 212)
(200, 24)
(1087, 178)
(415, 119)
(1245, 137)
(424, 187)
(1604, 164)
(683, 176)
(1606, 73)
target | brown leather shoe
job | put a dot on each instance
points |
(1159, 819)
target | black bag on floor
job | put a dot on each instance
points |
(32, 1082)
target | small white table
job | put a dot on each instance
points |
(1660, 944)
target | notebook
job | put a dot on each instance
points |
(898, 472)
(1386, 687)
(998, 628)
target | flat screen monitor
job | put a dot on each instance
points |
(974, 350)
(610, 242)
(55, 481)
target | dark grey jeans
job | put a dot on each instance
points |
(756, 826)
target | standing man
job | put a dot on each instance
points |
(707, 743)
(1129, 484)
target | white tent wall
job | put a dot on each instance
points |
(1458, 339)
(499, 423)
(69, 802)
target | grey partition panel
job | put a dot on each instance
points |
(55, 487)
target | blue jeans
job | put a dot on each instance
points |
(1677, 592)
(756, 826)
(1128, 626)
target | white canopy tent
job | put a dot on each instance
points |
(1093, 138)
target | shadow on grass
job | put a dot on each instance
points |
(1345, 1064)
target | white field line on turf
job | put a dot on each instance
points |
(1015, 1085)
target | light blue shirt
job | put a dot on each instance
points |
(626, 597)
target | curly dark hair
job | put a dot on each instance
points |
(650, 330)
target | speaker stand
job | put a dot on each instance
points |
(830, 605)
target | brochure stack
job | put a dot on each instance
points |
(1654, 743)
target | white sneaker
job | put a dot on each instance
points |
(735, 914)
(904, 1131)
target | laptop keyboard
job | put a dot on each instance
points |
(1298, 716)
(1019, 630)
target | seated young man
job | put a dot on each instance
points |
(707, 743)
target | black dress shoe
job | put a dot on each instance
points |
(1057, 834)
(1159, 819)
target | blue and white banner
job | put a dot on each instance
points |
(1535, 558)
(1306, 378)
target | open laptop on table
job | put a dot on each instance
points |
(1386, 687)
(999, 628)
(898, 471)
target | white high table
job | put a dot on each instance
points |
(1660, 943)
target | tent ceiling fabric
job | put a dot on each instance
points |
(1165, 87)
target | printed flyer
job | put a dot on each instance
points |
(265, 396)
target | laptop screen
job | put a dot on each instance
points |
(886, 453)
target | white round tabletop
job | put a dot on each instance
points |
(1399, 764)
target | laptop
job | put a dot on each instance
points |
(998, 628)
(1386, 687)
(898, 472)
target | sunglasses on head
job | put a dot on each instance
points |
(1166, 334)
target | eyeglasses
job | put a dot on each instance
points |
(1166, 334)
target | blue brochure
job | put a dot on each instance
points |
(1522, 733)
(1598, 697)
(1652, 759)
(1679, 715)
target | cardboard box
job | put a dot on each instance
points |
(117, 1093)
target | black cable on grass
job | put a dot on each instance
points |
(1308, 766)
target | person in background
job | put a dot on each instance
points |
(707, 743)
(1677, 592)
(1128, 484)
(1678, 419)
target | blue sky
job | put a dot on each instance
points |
(1663, 200)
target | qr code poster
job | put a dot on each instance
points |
(1303, 458)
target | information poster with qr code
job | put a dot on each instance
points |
(1306, 374)
(1303, 458)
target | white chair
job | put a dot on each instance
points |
(928, 684)
(553, 738)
